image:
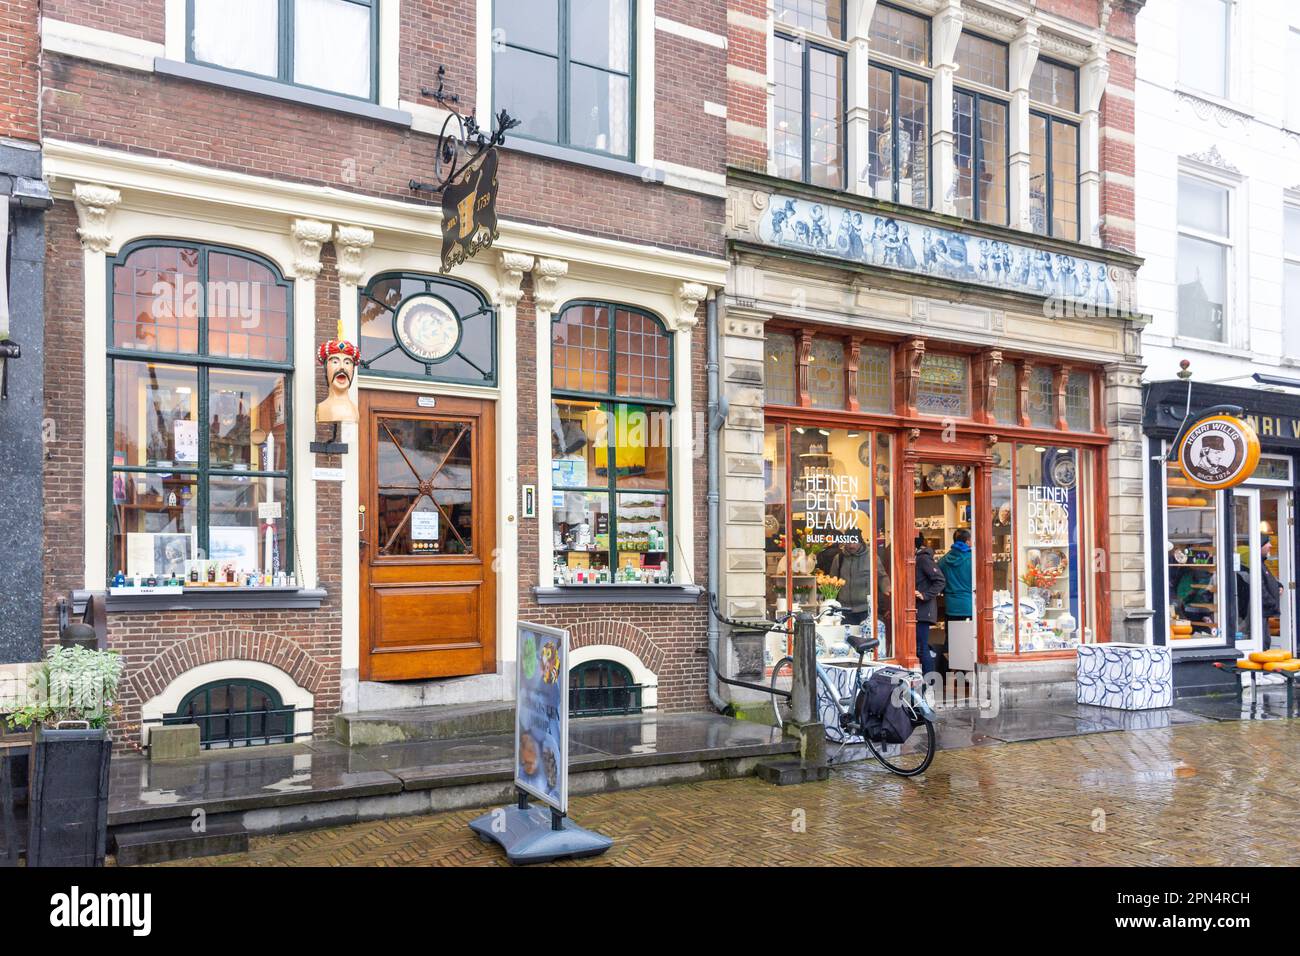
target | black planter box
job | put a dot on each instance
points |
(68, 798)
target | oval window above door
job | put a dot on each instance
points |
(419, 326)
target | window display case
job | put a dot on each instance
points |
(1194, 575)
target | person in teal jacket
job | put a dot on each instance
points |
(958, 596)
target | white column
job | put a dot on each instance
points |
(95, 206)
(547, 276)
(857, 109)
(1092, 84)
(682, 534)
(511, 267)
(350, 245)
(1024, 54)
(946, 33)
(308, 236)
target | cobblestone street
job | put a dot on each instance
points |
(1195, 794)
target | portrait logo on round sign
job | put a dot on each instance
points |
(1218, 452)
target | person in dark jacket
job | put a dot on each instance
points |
(958, 596)
(1270, 593)
(929, 585)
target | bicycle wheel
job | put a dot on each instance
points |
(782, 679)
(911, 758)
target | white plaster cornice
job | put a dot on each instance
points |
(350, 245)
(245, 201)
(95, 205)
(308, 235)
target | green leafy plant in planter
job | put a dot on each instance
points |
(73, 684)
(68, 705)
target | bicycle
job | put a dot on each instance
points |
(908, 759)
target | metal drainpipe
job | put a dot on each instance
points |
(714, 424)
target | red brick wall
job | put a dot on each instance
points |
(19, 54)
(1116, 146)
(676, 632)
(157, 116)
(746, 104)
(142, 19)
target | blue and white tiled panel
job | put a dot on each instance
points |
(1125, 676)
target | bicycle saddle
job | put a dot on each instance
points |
(862, 643)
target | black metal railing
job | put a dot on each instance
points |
(270, 733)
(614, 700)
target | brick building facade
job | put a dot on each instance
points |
(178, 157)
(930, 328)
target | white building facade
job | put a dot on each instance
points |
(1217, 184)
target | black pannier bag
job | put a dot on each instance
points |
(884, 720)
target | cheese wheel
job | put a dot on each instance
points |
(1269, 657)
(1182, 629)
(1282, 666)
(1249, 666)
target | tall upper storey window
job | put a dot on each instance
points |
(980, 130)
(1204, 35)
(1204, 248)
(898, 146)
(1291, 281)
(1054, 150)
(326, 45)
(808, 144)
(564, 69)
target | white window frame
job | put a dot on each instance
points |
(643, 82)
(1233, 337)
(1231, 84)
(1291, 108)
(1290, 260)
(176, 22)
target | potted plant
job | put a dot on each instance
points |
(69, 704)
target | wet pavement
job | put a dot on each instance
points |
(1194, 790)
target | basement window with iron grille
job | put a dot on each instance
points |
(235, 713)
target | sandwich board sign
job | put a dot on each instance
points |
(536, 834)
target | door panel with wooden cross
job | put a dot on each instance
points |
(428, 590)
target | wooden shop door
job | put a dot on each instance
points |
(428, 591)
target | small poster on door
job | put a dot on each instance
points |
(185, 435)
(424, 526)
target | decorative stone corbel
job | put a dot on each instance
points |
(308, 237)
(351, 243)
(688, 298)
(511, 267)
(546, 283)
(95, 205)
(993, 365)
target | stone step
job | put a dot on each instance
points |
(145, 844)
(444, 722)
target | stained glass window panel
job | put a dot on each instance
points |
(1042, 397)
(944, 389)
(875, 387)
(1005, 398)
(779, 369)
(1078, 402)
(826, 373)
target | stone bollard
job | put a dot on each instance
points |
(805, 723)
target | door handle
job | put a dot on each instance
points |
(361, 526)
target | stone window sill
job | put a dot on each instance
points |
(281, 91)
(211, 599)
(619, 594)
(580, 157)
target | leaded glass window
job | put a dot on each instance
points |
(1078, 402)
(779, 369)
(1042, 397)
(944, 389)
(875, 385)
(900, 34)
(1005, 398)
(826, 373)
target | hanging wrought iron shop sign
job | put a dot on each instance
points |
(465, 167)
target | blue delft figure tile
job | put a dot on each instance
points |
(1125, 676)
(895, 243)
